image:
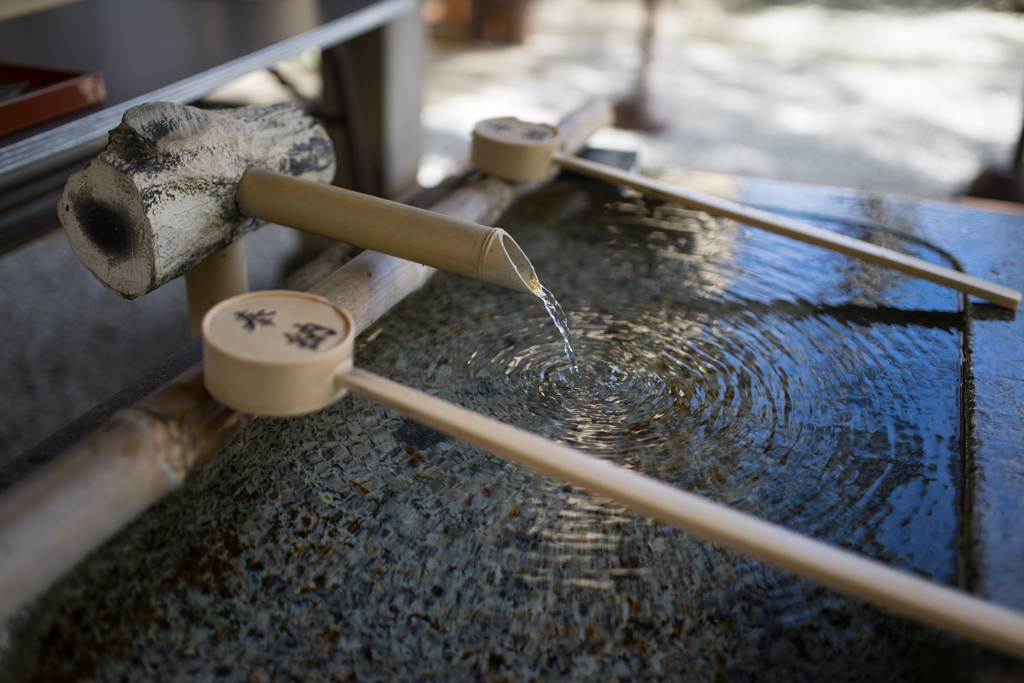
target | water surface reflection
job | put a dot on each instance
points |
(789, 382)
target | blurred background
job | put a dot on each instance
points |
(908, 97)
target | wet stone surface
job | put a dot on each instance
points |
(789, 382)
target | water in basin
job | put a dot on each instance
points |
(787, 381)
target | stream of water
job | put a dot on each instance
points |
(562, 325)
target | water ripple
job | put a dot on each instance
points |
(751, 369)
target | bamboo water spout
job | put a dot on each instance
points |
(297, 357)
(432, 239)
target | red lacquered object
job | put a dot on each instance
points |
(46, 94)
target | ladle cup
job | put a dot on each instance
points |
(286, 353)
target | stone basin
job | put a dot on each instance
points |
(858, 406)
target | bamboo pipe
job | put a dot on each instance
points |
(948, 608)
(370, 284)
(61, 512)
(947, 277)
(461, 247)
(574, 130)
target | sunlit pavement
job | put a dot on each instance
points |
(898, 100)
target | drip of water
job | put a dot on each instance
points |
(562, 324)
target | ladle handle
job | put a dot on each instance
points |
(845, 571)
(947, 277)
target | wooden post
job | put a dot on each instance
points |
(382, 101)
(161, 197)
(218, 277)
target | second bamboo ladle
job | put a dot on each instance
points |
(510, 148)
(286, 353)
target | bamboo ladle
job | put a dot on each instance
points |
(286, 353)
(510, 148)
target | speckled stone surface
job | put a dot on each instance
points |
(355, 544)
